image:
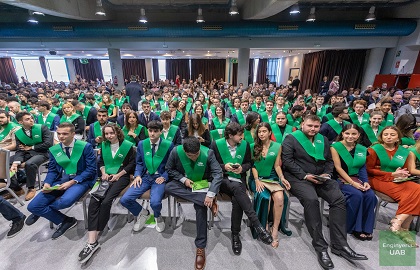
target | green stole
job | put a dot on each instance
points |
(7, 129)
(86, 111)
(241, 118)
(398, 160)
(213, 110)
(136, 131)
(55, 109)
(227, 101)
(248, 136)
(36, 135)
(205, 120)
(285, 108)
(189, 105)
(120, 101)
(97, 129)
(293, 122)
(322, 112)
(353, 163)
(354, 118)
(277, 132)
(336, 126)
(388, 121)
(178, 118)
(317, 151)
(307, 99)
(171, 133)
(329, 116)
(414, 150)
(194, 170)
(219, 130)
(112, 164)
(264, 117)
(369, 132)
(69, 164)
(407, 141)
(265, 165)
(227, 157)
(70, 119)
(48, 122)
(153, 162)
(163, 106)
(81, 96)
(110, 109)
(254, 108)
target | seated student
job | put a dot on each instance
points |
(189, 164)
(116, 164)
(32, 143)
(234, 156)
(406, 124)
(266, 168)
(71, 172)
(252, 121)
(371, 130)
(95, 130)
(46, 117)
(280, 128)
(147, 115)
(295, 117)
(108, 104)
(88, 113)
(197, 129)
(359, 117)
(119, 99)
(240, 116)
(218, 123)
(386, 105)
(70, 116)
(170, 132)
(280, 105)
(333, 127)
(389, 161)
(199, 109)
(258, 106)
(350, 171)
(269, 116)
(11, 213)
(133, 131)
(124, 110)
(236, 107)
(150, 174)
(7, 131)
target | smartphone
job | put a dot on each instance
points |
(235, 166)
(321, 178)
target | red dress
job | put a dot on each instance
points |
(407, 194)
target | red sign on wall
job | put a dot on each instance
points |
(397, 64)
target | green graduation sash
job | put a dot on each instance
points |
(307, 99)
(86, 111)
(178, 118)
(336, 126)
(136, 131)
(293, 122)
(97, 129)
(216, 134)
(354, 118)
(69, 164)
(7, 129)
(414, 150)
(48, 121)
(120, 101)
(241, 118)
(205, 120)
(369, 132)
(153, 163)
(277, 132)
(69, 119)
(218, 125)
(81, 96)
(110, 109)
(227, 157)
(189, 105)
(329, 116)
(407, 141)
(195, 171)
(398, 160)
(265, 165)
(36, 135)
(322, 112)
(163, 106)
(260, 110)
(284, 109)
(388, 121)
(264, 117)
(171, 133)
(353, 163)
(317, 151)
(112, 164)
(248, 136)
(213, 110)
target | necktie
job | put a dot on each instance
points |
(147, 119)
(153, 149)
(67, 151)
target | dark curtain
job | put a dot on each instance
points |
(262, 70)
(251, 71)
(43, 67)
(235, 74)
(155, 65)
(272, 66)
(134, 67)
(348, 64)
(8, 71)
(89, 71)
(179, 67)
(209, 68)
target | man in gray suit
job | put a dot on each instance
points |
(134, 90)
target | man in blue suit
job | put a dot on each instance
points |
(147, 115)
(152, 154)
(71, 172)
(95, 129)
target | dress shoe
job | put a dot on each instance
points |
(200, 259)
(264, 235)
(214, 208)
(236, 244)
(31, 219)
(66, 225)
(18, 193)
(348, 254)
(285, 230)
(324, 259)
(30, 195)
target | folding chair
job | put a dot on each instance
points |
(5, 173)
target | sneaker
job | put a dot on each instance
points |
(66, 225)
(141, 220)
(160, 224)
(17, 226)
(30, 195)
(88, 251)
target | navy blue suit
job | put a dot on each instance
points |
(54, 124)
(152, 116)
(47, 205)
(120, 120)
(157, 191)
(91, 136)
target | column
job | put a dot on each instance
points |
(116, 66)
(243, 66)
(373, 66)
(149, 70)
(71, 71)
(228, 68)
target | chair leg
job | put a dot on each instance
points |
(51, 225)
(287, 213)
(14, 195)
(174, 214)
(85, 212)
(169, 209)
(378, 205)
(39, 178)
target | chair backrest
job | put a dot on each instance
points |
(5, 164)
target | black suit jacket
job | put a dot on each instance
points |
(120, 120)
(39, 149)
(91, 117)
(152, 116)
(135, 91)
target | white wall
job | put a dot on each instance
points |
(285, 64)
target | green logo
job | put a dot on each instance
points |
(397, 249)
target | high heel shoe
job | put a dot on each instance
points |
(275, 243)
(395, 225)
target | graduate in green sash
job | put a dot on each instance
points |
(170, 132)
(219, 123)
(46, 117)
(119, 99)
(268, 184)
(350, 171)
(252, 121)
(234, 155)
(133, 131)
(407, 123)
(199, 110)
(258, 106)
(387, 162)
(371, 131)
(295, 117)
(87, 112)
(321, 109)
(192, 165)
(197, 129)
(70, 116)
(108, 104)
(236, 107)
(7, 132)
(95, 137)
(280, 105)
(359, 117)
(269, 116)
(333, 127)
(240, 116)
(280, 129)
(386, 106)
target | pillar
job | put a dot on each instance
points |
(116, 66)
(228, 68)
(243, 66)
(373, 66)
(71, 70)
(149, 70)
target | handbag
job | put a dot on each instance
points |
(99, 189)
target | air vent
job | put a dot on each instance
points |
(212, 28)
(365, 26)
(62, 28)
(138, 28)
(288, 27)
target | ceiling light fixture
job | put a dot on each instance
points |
(311, 17)
(233, 8)
(31, 18)
(200, 18)
(143, 18)
(100, 11)
(371, 16)
(38, 13)
(295, 9)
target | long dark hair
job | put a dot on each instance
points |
(347, 127)
(223, 112)
(405, 124)
(116, 128)
(201, 127)
(250, 119)
(258, 144)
